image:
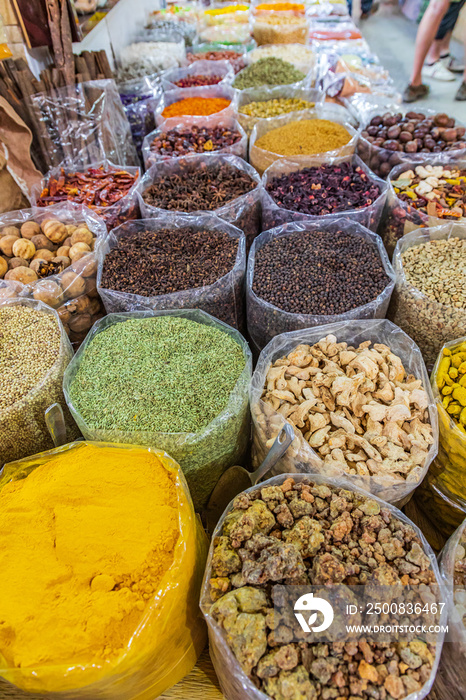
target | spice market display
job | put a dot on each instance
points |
(222, 229)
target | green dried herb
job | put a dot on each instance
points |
(268, 71)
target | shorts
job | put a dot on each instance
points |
(449, 19)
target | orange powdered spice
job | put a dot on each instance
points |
(196, 106)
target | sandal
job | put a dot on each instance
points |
(415, 92)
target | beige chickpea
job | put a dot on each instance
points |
(22, 248)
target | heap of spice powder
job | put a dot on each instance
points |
(268, 71)
(96, 187)
(196, 106)
(304, 137)
(275, 107)
(163, 374)
(151, 263)
(326, 189)
(194, 139)
(198, 187)
(437, 190)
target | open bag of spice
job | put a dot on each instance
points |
(358, 397)
(263, 103)
(192, 105)
(301, 56)
(176, 138)
(174, 261)
(217, 52)
(52, 252)
(223, 184)
(423, 195)
(104, 187)
(199, 74)
(100, 595)
(429, 299)
(334, 271)
(442, 494)
(34, 352)
(290, 537)
(271, 71)
(345, 186)
(177, 380)
(319, 134)
(280, 28)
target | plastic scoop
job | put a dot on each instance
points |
(55, 422)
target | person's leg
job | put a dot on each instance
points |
(425, 36)
(440, 47)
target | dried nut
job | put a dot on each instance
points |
(86, 266)
(30, 229)
(64, 250)
(64, 313)
(79, 248)
(63, 260)
(95, 306)
(72, 284)
(6, 292)
(82, 235)
(3, 266)
(70, 229)
(22, 248)
(80, 322)
(6, 244)
(41, 241)
(80, 255)
(49, 292)
(82, 304)
(55, 231)
(44, 254)
(11, 231)
(67, 241)
(17, 262)
(21, 274)
(37, 263)
(91, 287)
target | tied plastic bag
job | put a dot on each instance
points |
(85, 123)
(234, 682)
(223, 299)
(264, 94)
(161, 143)
(266, 320)
(261, 159)
(205, 455)
(243, 211)
(428, 322)
(300, 456)
(23, 429)
(212, 69)
(140, 98)
(275, 215)
(442, 494)
(171, 635)
(223, 92)
(118, 209)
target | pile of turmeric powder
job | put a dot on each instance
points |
(85, 540)
(451, 383)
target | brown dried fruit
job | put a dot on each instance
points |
(54, 230)
(6, 244)
(22, 248)
(41, 241)
(30, 229)
(21, 274)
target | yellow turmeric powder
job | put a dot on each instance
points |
(85, 540)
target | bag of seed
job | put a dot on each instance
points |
(140, 98)
(407, 206)
(442, 494)
(176, 138)
(326, 419)
(193, 105)
(322, 191)
(429, 299)
(174, 261)
(282, 540)
(223, 184)
(316, 135)
(176, 380)
(255, 105)
(236, 56)
(306, 274)
(199, 74)
(34, 352)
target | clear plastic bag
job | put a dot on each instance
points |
(244, 212)
(169, 638)
(266, 320)
(222, 69)
(442, 494)
(152, 156)
(234, 683)
(272, 30)
(261, 159)
(300, 55)
(203, 456)
(230, 34)
(23, 430)
(274, 215)
(223, 299)
(73, 296)
(211, 52)
(84, 123)
(300, 457)
(428, 322)
(113, 215)
(224, 92)
(163, 50)
(174, 23)
(140, 98)
(262, 94)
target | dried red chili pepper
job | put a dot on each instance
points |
(96, 187)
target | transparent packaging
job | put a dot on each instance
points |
(224, 92)
(261, 159)
(274, 215)
(231, 34)
(263, 94)
(208, 51)
(428, 322)
(239, 148)
(280, 30)
(170, 636)
(221, 69)
(301, 56)
(203, 456)
(140, 98)
(223, 299)
(266, 320)
(154, 53)
(23, 430)
(226, 14)
(234, 683)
